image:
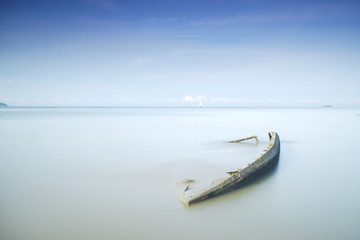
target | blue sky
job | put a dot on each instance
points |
(168, 53)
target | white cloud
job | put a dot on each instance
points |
(188, 98)
(191, 98)
(356, 100)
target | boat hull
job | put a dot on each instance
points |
(257, 168)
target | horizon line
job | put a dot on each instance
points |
(149, 106)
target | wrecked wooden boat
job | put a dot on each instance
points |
(239, 177)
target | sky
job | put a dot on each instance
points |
(171, 52)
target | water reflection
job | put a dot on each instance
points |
(113, 173)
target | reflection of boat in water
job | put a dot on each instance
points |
(239, 177)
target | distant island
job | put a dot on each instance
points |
(3, 104)
(327, 106)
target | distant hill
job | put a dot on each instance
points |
(3, 104)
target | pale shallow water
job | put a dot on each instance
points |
(115, 173)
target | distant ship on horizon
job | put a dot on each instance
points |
(200, 102)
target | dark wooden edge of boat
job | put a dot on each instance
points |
(239, 178)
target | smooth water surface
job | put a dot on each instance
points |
(115, 173)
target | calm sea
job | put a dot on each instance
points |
(115, 173)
